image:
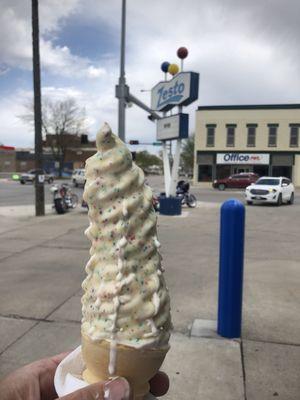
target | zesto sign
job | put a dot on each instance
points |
(181, 90)
(243, 158)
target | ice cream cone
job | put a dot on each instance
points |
(126, 306)
(138, 366)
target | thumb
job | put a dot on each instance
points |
(115, 389)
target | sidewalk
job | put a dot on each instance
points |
(22, 211)
(42, 266)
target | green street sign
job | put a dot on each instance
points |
(157, 143)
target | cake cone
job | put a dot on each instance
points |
(138, 366)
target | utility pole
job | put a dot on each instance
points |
(123, 89)
(38, 148)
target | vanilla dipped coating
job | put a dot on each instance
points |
(126, 300)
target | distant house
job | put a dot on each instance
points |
(78, 149)
(7, 159)
(24, 159)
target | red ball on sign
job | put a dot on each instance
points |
(182, 52)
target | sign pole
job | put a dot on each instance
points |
(175, 167)
(167, 172)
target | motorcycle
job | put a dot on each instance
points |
(182, 191)
(63, 198)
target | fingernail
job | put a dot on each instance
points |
(116, 389)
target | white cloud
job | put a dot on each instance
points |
(60, 61)
(243, 51)
(16, 46)
(99, 107)
(13, 131)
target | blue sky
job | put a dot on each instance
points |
(246, 53)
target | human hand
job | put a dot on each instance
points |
(35, 382)
(32, 382)
(118, 389)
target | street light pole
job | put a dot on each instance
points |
(122, 90)
(122, 81)
(39, 186)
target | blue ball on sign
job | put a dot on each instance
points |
(164, 66)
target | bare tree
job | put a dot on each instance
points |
(60, 120)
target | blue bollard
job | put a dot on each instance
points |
(232, 235)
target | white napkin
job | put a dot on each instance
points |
(68, 375)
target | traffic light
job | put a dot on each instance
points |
(134, 142)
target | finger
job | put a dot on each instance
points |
(159, 384)
(116, 389)
(57, 359)
(45, 370)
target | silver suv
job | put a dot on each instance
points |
(78, 177)
(30, 176)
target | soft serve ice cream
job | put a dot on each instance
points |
(125, 303)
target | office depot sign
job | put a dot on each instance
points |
(243, 158)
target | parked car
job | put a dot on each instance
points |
(271, 190)
(78, 177)
(30, 176)
(237, 181)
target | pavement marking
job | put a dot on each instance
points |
(205, 328)
(207, 204)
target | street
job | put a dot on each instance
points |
(14, 194)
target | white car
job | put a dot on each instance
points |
(78, 177)
(271, 190)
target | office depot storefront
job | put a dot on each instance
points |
(264, 139)
(215, 165)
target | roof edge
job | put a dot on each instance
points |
(251, 107)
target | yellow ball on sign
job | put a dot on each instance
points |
(173, 69)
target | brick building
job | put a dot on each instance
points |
(7, 159)
(77, 149)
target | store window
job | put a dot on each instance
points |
(294, 135)
(210, 135)
(272, 135)
(282, 171)
(251, 137)
(223, 171)
(204, 173)
(230, 135)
